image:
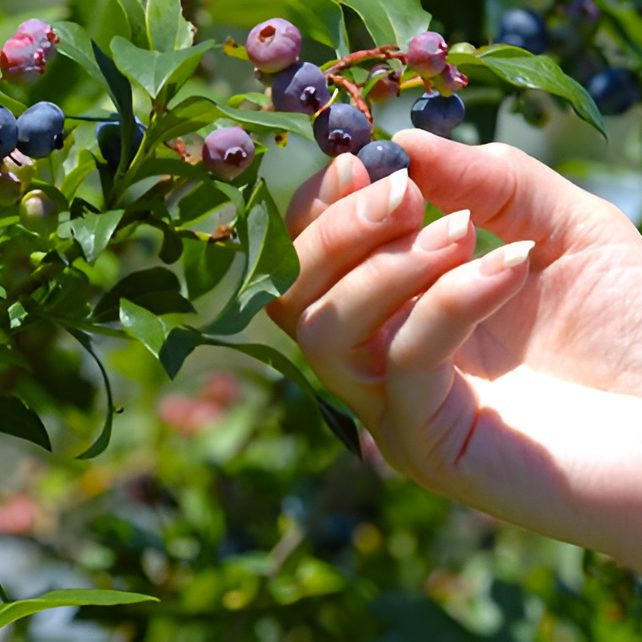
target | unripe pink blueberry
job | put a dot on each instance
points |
(39, 212)
(42, 33)
(273, 45)
(387, 85)
(427, 54)
(22, 58)
(228, 152)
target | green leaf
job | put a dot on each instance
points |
(12, 611)
(119, 88)
(13, 105)
(94, 231)
(206, 197)
(205, 265)
(136, 16)
(167, 30)
(143, 325)
(155, 71)
(271, 264)
(104, 437)
(320, 20)
(75, 43)
(522, 69)
(270, 121)
(391, 23)
(72, 180)
(157, 289)
(181, 342)
(20, 421)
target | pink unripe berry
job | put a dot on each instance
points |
(22, 57)
(450, 80)
(273, 45)
(387, 85)
(39, 212)
(42, 33)
(427, 54)
(228, 152)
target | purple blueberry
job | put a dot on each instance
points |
(523, 28)
(427, 54)
(228, 152)
(273, 45)
(615, 90)
(383, 157)
(8, 132)
(438, 114)
(109, 141)
(40, 129)
(302, 87)
(341, 128)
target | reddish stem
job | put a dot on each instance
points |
(385, 52)
(353, 90)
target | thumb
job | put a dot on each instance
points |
(508, 192)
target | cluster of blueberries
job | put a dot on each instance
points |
(274, 47)
(614, 89)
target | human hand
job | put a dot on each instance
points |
(508, 383)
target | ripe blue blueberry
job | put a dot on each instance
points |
(341, 128)
(109, 142)
(438, 114)
(8, 132)
(273, 45)
(383, 157)
(40, 129)
(523, 28)
(228, 152)
(302, 87)
(615, 90)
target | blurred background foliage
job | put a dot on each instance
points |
(221, 495)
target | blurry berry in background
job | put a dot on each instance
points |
(341, 128)
(273, 45)
(438, 114)
(615, 90)
(21, 58)
(228, 152)
(427, 54)
(40, 129)
(387, 83)
(300, 88)
(523, 28)
(42, 33)
(8, 132)
(383, 157)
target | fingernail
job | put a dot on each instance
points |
(336, 179)
(507, 257)
(376, 211)
(398, 184)
(438, 235)
(517, 253)
(343, 164)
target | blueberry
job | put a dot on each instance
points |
(109, 142)
(427, 54)
(341, 128)
(228, 152)
(8, 132)
(42, 33)
(438, 114)
(523, 28)
(383, 157)
(39, 212)
(273, 45)
(302, 87)
(40, 129)
(614, 90)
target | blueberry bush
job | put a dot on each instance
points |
(168, 453)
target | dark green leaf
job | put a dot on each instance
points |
(20, 421)
(75, 43)
(155, 71)
(104, 437)
(207, 197)
(13, 105)
(391, 23)
(13, 611)
(320, 20)
(181, 342)
(522, 69)
(172, 247)
(205, 265)
(168, 167)
(85, 165)
(271, 264)
(94, 231)
(119, 87)
(167, 30)
(136, 16)
(143, 325)
(156, 289)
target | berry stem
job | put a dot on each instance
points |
(385, 52)
(353, 90)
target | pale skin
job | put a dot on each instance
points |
(511, 382)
